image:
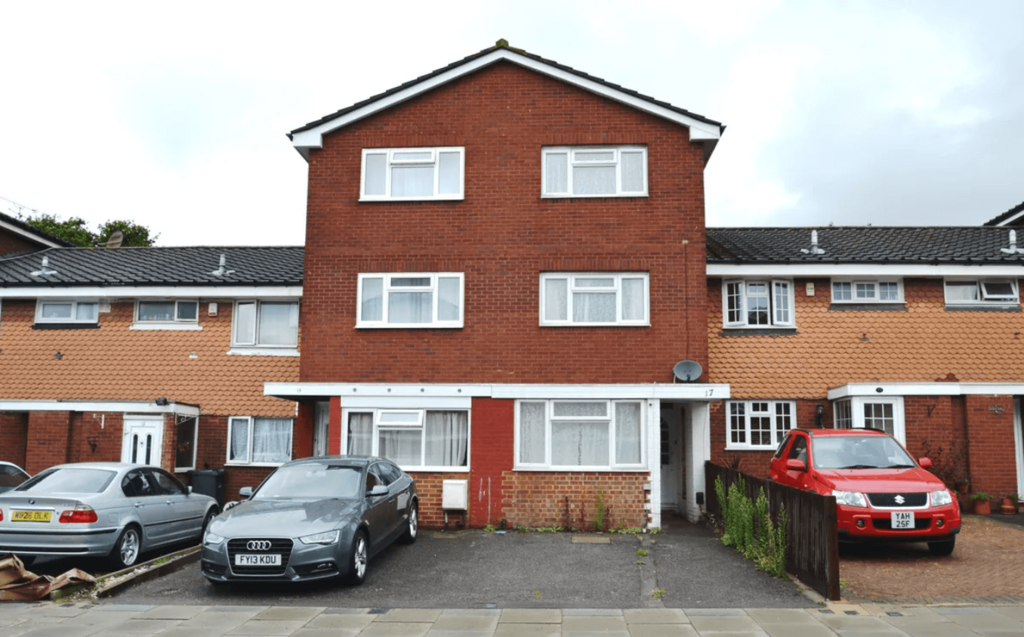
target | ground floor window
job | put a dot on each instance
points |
(414, 439)
(185, 450)
(885, 414)
(580, 434)
(266, 441)
(758, 424)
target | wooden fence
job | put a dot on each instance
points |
(812, 552)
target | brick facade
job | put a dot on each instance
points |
(570, 500)
(11, 243)
(13, 437)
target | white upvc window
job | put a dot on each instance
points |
(580, 435)
(594, 171)
(166, 311)
(259, 441)
(982, 292)
(269, 324)
(867, 291)
(54, 311)
(884, 413)
(414, 439)
(758, 424)
(594, 299)
(758, 304)
(411, 300)
(413, 174)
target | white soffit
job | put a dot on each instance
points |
(881, 390)
(350, 391)
(862, 269)
(163, 291)
(126, 406)
(313, 138)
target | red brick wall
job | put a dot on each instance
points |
(11, 243)
(569, 500)
(428, 488)
(49, 435)
(102, 429)
(936, 429)
(756, 463)
(13, 437)
(491, 457)
(992, 452)
(502, 236)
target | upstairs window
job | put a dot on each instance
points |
(410, 300)
(618, 171)
(594, 299)
(982, 292)
(413, 173)
(854, 291)
(67, 312)
(758, 304)
(167, 312)
(265, 324)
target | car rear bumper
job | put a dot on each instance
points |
(85, 542)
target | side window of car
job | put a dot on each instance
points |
(799, 449)
(371, 479)
(128, 486)
(389, 472)
(782, 445)
(141, 484)
(166, 483)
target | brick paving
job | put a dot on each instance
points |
(985, 568)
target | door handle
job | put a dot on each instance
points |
(169, 502)
(138, 504)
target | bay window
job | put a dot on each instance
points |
(414, 439)
(758, 424)
(410, 300)
(758, 304)
(579, 434)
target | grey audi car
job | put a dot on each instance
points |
(312, 519)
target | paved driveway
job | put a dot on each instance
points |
(471, 569)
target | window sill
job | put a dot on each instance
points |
(771, 448)
(404, 199)
(258, 351)
(168, 327)
(585, 325)
(983, 308)
(255, 464)
(581, 469)
(631, 195)
(868, 307)
(65, 326)
(183, 469)
(434, 469)
(758, 331)
(410, 326)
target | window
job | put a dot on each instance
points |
(167, 312)
(594, 172)
(853, 291)
(579, 434)
(410, 300)
(265, 324)
(594, 299)
(185, 450)
(885, 414)
(67, 312)
(764, 304)
(982, 292)
(266, 441)
(414, 439)
(413, 173)
(759, 424)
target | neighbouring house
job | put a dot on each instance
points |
(154, 355)
(17, 237)
(1013, 218)
(914, 330)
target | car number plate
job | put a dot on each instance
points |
(902, 520)
(31, 516)
(265, 559)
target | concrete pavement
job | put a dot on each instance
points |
(123, 620)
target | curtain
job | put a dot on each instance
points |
(593, 308)
(447, 299)
(556, 301)
(376, 175)
(279, 324)
(632, 299)
(632, 171)
(272, 440)
(447, 438)
(531, 433)
(401, 446)
(410, 307)
(579, 444)
(449, 180)
(556, 173)
(412, 181)
(245, 323)
(962, 291)
(239, 440)
(156, 310)
(373, 299)
(360, 434)
(627, 433)
(593, 180)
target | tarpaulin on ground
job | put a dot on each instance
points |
(18, 584)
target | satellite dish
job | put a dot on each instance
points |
(687, 371)
(115, 239)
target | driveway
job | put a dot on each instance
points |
(472, 569)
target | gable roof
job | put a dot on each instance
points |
(863, 244)
(1012, 217)
(152, 267)
(311, 135)
(31, 233)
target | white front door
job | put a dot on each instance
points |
(671, 457)
(320, 428)
(143, 438)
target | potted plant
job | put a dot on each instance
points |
(963, 484)
(1015, 499)
(982, 506)
(1008, 506)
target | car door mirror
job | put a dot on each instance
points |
(245, 492)
(926, 463)
(793, 464)
(377, 490)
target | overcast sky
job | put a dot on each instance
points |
(174, 114)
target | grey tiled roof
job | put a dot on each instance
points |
(156, 266)
(995, 221)
(862, 244)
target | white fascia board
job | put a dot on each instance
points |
(28, 235)
(297, 391)
(313, 138)
(163, 291)
(851, 390)
(126, 406)
(1011, 219)
(680, 391)
(861, 269)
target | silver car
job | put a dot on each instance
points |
(101, 508)
(317, 518)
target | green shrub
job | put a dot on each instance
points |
(749, 527)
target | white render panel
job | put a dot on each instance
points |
(925, 389)
(679, 391)
(128, 407)
(654, 463)
(698, 450)
(763, 270)
(163, 291)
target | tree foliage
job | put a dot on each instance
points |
(76, 230)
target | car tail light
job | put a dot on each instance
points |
(81, 514)
(1, 515)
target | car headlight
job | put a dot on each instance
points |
(940, 498)
(328, 537)
(850, 498)
(212, 539)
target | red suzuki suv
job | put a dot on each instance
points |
(881, 493)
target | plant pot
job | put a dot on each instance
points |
(982, 507)
(1008, 508)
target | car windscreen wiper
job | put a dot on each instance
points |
(861, 466)
(901, 466)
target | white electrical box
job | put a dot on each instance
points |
(455, 495)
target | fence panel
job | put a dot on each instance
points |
(812, 543)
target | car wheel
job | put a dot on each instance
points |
(942, 549)
(413, 528)
(359, 560)
(126, 549)
(212, 513)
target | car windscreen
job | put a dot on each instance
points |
(69, 480)
(312, 480)
(859, 452)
